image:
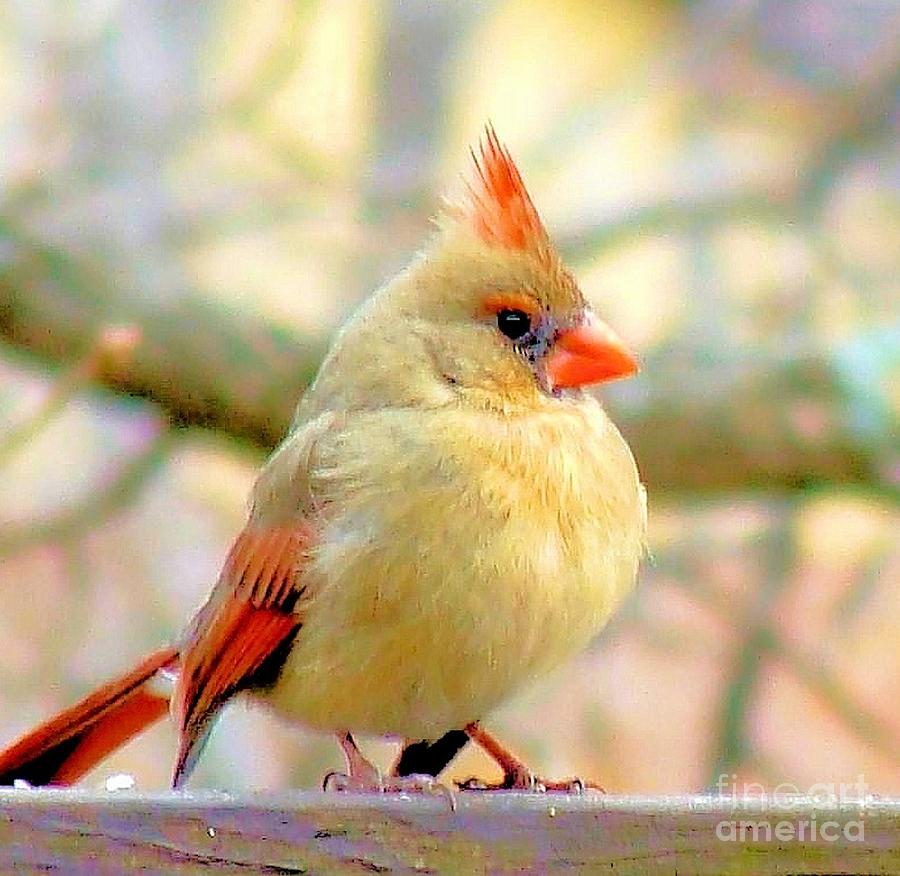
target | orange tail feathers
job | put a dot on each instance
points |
(64, 748)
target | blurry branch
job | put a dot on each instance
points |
(277, 64)
(814, 674)
(203, 364)
(861, 119)
(871, 729)
(758, 638)
(247, 106)
(762, 423)
(672, 216)
(107, 357)
(776, 424)
(491, 833)
(76, 519)
(105, 361)
(755, 636)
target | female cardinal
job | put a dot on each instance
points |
(450, 517)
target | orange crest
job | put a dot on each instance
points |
(499, 208)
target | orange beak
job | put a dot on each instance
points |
(588, 353)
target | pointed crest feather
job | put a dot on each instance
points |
(498, 207)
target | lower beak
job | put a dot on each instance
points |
(588, 353)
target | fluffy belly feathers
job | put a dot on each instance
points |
(450, 598)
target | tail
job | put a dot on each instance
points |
(64, 748)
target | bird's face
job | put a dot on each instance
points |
(563, 350)
(487, 316)
(499, 314)
(504, 326)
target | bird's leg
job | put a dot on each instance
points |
(516, 775)
(364, 776)
(426, 758)
(361, 775)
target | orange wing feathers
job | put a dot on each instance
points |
(237, 639)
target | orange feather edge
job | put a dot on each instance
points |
(231, 645)
(498, 207)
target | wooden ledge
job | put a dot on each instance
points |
(74, 832)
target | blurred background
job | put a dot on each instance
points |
(193, 196)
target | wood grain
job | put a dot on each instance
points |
(74, 832)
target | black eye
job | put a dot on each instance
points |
(513, 323)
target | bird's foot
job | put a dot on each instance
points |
(364, 777)
(517, 776)
(525, 780)
(375, 783)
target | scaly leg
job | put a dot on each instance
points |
(516, 775)
(365, 777)
(361, 775)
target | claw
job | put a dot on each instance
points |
(531, 784)
(337, 781)
(340, 782)
(576, 786)
(516, 776)
(421, 784)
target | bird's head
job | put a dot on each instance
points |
(487, 314)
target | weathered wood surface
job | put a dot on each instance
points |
(73, 832)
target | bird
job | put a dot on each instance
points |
(451, 515)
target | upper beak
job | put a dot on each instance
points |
(588, 353)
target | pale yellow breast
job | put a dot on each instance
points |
(463, 555)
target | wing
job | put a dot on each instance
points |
(241, 636)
